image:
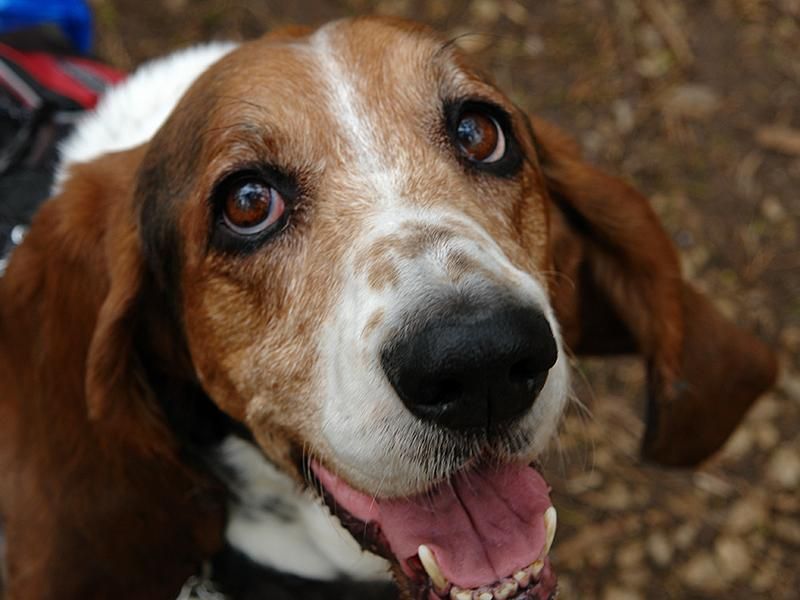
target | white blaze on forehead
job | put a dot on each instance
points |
(357, 129)
(366, 430)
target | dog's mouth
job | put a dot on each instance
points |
(483, 534)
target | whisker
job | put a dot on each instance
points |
(556, 275)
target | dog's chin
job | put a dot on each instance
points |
(482, 534)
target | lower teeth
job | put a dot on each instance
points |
(504, 589)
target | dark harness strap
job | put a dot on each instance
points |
(239, 578)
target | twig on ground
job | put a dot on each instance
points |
(782, 139)
(669, 30)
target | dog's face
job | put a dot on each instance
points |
(360, 231)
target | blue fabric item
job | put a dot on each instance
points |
(72, 16)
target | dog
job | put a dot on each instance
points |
(313, 295)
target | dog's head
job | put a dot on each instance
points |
(344, 238)
(350, 229)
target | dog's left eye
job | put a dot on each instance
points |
(480, 138)
(251, 206)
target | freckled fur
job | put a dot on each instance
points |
(374, 321)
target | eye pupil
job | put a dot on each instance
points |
(252, 206)
(478, 136)
(249, 204)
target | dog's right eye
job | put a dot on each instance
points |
(251, 206)
(483, 137)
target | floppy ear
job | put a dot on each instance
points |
(620, 290)
(116, 389)
(77, 312)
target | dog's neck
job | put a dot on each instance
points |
(271, 521)
(274, 528)
(280, 540)
(281, 527)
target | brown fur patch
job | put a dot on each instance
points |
(375, 320)
(383, 274)
(460, 264)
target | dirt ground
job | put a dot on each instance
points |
(697, 103)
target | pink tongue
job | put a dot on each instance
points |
(482, 525)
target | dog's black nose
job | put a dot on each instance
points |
(474, 367)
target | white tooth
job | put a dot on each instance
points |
(550, 529)
(523, 578)
(536, 568)
(505, 590)
(485, 596)
(456, 593)
(431, 567)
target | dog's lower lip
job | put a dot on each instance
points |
(426, 579)
(500, 590)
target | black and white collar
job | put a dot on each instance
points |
(9, 240)
(201, 587)
(281, 540)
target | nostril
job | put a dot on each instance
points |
(527, 374)
(446, 391)
(523, 370)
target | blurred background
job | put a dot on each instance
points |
(698, 104)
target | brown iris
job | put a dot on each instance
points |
(480, 138)
(251, 206)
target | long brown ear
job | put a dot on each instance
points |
(116, 390)
(78, 332)
(620, 290)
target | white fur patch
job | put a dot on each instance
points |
(277, 524)
(376, 442)
(370, 168)
(379, 444)
(130, 113)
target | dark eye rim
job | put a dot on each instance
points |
(506, 166)
(226, 239)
